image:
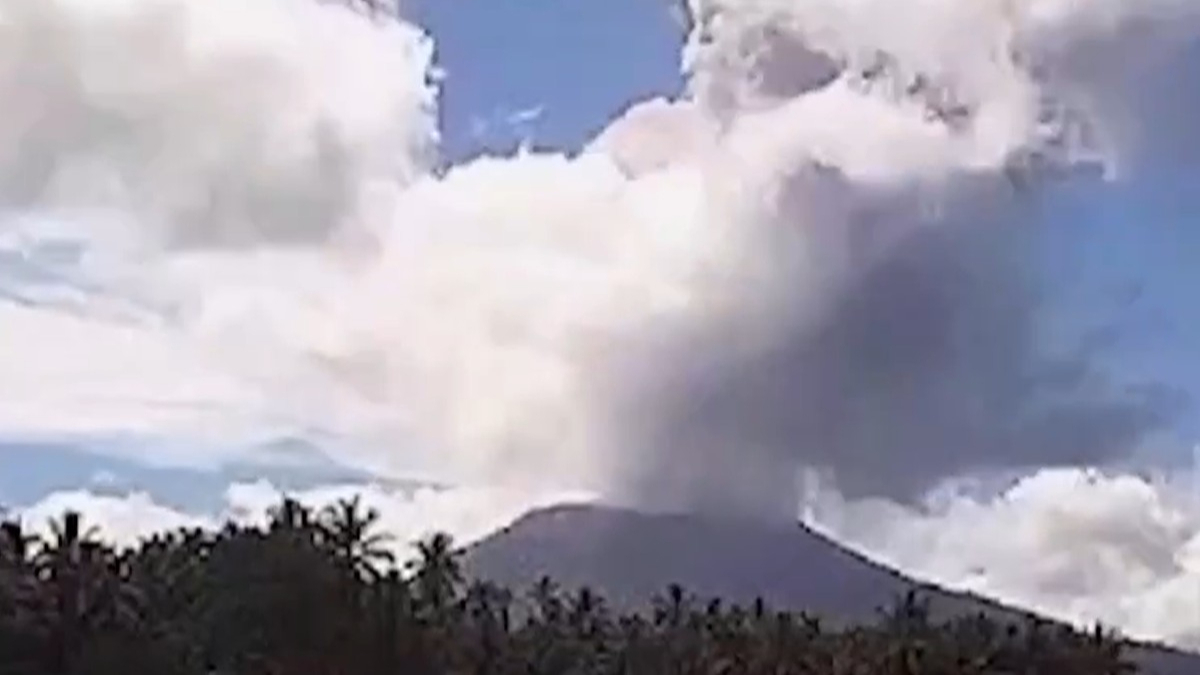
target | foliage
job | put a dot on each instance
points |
(317, 593)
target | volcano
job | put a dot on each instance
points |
(629, 556)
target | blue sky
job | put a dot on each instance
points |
(552, 73)
(1129, 252)
(578, 62)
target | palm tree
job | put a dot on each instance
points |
(17, 568)
(390, 604)
(348, 529)
(674, 608)
(289, 516)
(544, 597)
(59, 562)
(486, 611)
(438, 573)
(88, 590)
(169, 572)
(67, 539)
(21, 599)
(587, 614)
(16, 544)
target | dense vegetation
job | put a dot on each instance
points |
(317, 593)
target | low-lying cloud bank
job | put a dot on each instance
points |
(1080, 545)
(1076, 545)
(406, 514)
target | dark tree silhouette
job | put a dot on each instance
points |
(319, 594)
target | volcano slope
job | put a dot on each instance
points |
(629, 556)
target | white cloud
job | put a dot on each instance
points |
(525, 115)
(1081, 545)
(119, 519)
(406, 515)
(507, 125)
(138, 127)
(102, 376)
(211, 122)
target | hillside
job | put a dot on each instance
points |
(629, 556)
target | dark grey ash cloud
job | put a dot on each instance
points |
(924, 354)
(927, 365)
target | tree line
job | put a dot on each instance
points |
(317, 592)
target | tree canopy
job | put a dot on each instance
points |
(318, 593)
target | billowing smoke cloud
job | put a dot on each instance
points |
(897, 339)
(822, 255)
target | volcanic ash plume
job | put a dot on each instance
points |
(892, 170)
(823, 254)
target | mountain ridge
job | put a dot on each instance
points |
(629, 556)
